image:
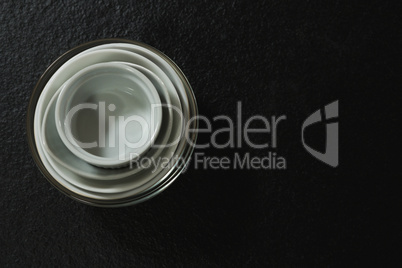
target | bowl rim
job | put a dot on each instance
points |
(186, 150)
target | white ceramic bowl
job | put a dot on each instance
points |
(56, 149)
(108, 113)
(147, 180)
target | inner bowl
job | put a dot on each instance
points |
(56, 149)
(107, 114)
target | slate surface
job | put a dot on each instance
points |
(278, 58)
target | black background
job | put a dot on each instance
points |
(277, 57)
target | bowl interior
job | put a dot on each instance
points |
(56, 149)
(107, 112)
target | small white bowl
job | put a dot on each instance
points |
(58, 151)
(108, 113)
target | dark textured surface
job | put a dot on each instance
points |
(277, 57)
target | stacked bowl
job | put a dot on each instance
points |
(112, 122)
